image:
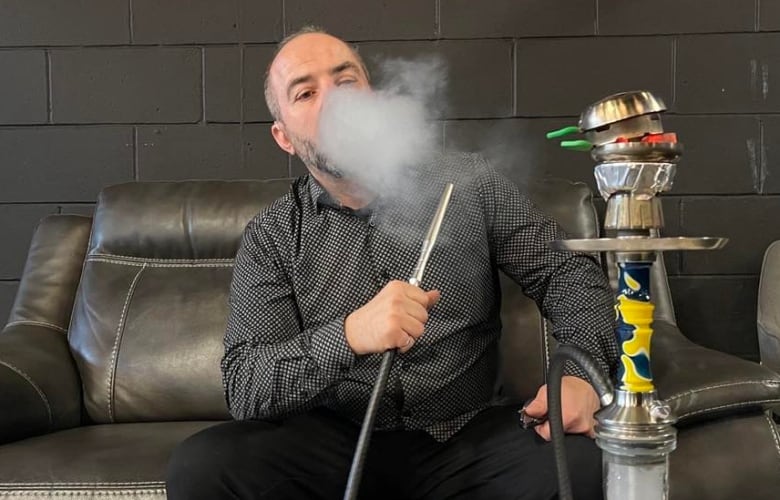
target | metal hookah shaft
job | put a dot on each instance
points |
(356, 471)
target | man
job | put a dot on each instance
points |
(319, 292)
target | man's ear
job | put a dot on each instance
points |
(281, 138)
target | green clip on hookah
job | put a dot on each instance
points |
(636, 161)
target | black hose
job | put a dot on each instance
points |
(358, 460)
(599, 381)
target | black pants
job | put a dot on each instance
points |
(309, 456)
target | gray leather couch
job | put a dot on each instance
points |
(111, 354)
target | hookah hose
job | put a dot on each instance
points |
(603, 388)
(358, 460)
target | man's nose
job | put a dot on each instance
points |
(325, 89)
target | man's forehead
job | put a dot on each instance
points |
(306, 51)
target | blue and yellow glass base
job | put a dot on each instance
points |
(634, 319)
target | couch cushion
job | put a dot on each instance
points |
(94, 462)
(151, 309)
(700, 383)
(726, 459)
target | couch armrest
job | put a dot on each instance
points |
(701, 383)
(40, 390)
(768, 317)
(52, 272)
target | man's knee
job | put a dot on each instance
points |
(200, 465)
(194, 463)
(583, 457)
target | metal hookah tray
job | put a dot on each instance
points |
(639, 244)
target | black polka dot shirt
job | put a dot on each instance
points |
(304, 264)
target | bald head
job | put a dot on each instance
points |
(300, 52)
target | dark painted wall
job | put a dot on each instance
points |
(95, 92)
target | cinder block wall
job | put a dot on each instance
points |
(95, 92)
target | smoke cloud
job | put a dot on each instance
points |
(376, 137)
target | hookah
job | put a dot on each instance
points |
(636, 161)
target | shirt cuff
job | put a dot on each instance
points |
(573, 369)
(330, 350)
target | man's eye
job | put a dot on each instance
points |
(348, 81)
(304, 95)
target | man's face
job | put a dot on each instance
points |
(301, 76)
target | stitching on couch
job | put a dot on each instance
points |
(775, 435)
(37, 323)
(160, 264)
(91, 233)
(742, 404)
(719, 386)
(83, 492)
(36, 387)
(117, 340)
(83, 484)
(153, 259)
(76, 295)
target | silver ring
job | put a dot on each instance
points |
(409, 341)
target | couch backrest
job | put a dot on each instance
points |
(151, 308)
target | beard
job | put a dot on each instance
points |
(313, 158)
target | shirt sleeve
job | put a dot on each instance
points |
(271, 366)
(570, 288)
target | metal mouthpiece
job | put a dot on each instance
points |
(430, 238)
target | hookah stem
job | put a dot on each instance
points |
(361, 450)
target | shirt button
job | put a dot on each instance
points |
(304, 394)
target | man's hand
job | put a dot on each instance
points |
(394, 318)
(579, 402)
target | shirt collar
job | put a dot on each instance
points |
(316, 191)
(321, 198)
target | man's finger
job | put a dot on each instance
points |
(581, 426)
(416, 294)
(573, 424)
(412, 327)
(417, 311)
(538, 406)
(433, 298)
(408, 345)
(543, 430)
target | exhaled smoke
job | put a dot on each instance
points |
(423, 79)
(376, 136)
